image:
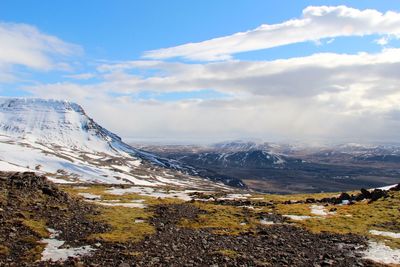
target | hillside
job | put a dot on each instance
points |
(57, 138)
(103, 225)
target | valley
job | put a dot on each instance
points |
(284, 169)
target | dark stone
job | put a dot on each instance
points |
(344, 196)
(310, 200)
(396, 188)
(377, 194)
(365, 193)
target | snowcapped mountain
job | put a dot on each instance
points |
(243, 154)
(239, 146)
(249, 158)
(58, 139)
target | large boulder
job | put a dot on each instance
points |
(377, 194)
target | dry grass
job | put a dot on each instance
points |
(227, 253)
(122, 222)
(358, 218)
(223, 219)
(37, 226)
(35, 254)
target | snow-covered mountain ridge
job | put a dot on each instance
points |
(59, 139)
(52, 121)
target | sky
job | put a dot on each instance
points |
(209, 71)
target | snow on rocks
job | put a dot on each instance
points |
(384, 233)
(297, 217)
(264, 221)
(381, 253)
(235, 196)
(320, 211)
(184, 195)
(54, 252)
(317, 210)
(388, 187)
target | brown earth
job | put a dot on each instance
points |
(27, 198)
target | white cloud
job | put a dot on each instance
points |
(382, 41)
(319, 96)
(317, 22)
(25, 45)
(81, 76)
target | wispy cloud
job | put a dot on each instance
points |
(24, 45)
(317, 22)
(81, 76)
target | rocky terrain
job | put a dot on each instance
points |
(113, 225)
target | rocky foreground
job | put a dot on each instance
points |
(163, 233)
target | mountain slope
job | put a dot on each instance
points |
(58, 139)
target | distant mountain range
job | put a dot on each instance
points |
(288, 168)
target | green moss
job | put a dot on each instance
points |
(122, 222)
(34, 254)
(37, 226)
(358, 218)
(223, 219)
(293, 209)
(227, 253)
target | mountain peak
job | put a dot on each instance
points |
(39, 103)
(58, 138)
(51, 121)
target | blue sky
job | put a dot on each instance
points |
(121, 30)
(105, 59)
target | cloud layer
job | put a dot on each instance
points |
(328, 96)
(317, 22)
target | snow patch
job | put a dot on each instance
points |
(235, 196)
(184, 195)
(320, 211)
(297, 217)
(53, 252)
(381, 253)
(384, 233)
(5, 166)
(264, 221)
(387, 187)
